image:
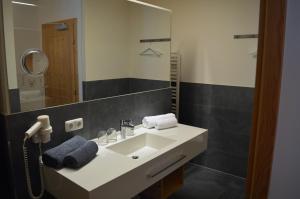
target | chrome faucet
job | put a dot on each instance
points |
(126, 128)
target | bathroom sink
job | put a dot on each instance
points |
(156, 154)
(141, 146)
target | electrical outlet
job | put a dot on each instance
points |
(73, 125)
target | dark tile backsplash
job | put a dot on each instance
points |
(226, 112)
(97, 115)
(104, 88)
(113, 87)
(5, 178)
(138, 85)
(14, 100)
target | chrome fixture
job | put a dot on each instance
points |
(126, 128)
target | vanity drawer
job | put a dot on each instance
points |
(137, 180)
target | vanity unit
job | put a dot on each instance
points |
(124, 169)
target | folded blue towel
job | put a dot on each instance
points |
(81, 156)
(54, 157)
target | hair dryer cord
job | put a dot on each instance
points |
(28, 181)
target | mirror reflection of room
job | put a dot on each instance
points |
(94, 49)
(164, 94)
(46, 53)
(127, 48)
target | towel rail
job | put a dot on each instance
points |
(155, 40)
(175, 82)
(246, 36)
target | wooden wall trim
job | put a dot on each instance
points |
(267, 94)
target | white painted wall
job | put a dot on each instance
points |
(106, 39)
(202, 32)
(27, 34)
(113, 30)
(285, 177)
(10, 44)
(149, 23)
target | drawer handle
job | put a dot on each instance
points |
(155, 173)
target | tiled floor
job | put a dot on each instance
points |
(203, 183)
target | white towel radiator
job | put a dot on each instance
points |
(175, 82)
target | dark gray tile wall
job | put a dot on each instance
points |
(14, 98)
(5, 178)
(104, 88)
(113, 87)
(226, 112)
(138, 85)
(97, 115)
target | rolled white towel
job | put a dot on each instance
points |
(166, 123)
(150, 121)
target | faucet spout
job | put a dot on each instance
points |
(126, 128)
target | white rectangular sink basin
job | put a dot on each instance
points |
(141, 146)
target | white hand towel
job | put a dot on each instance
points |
(150, 121)
(166, 123)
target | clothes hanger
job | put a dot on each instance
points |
(150, 52)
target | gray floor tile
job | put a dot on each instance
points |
(203, 183)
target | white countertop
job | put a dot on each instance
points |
(109, 165)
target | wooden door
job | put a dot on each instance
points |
(60, 45)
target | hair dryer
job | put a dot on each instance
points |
(40, 133)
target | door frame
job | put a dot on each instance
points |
(267, 95)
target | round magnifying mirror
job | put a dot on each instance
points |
(34, 62)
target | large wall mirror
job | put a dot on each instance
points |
(67, 51)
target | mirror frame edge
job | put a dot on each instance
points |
(4, 90)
